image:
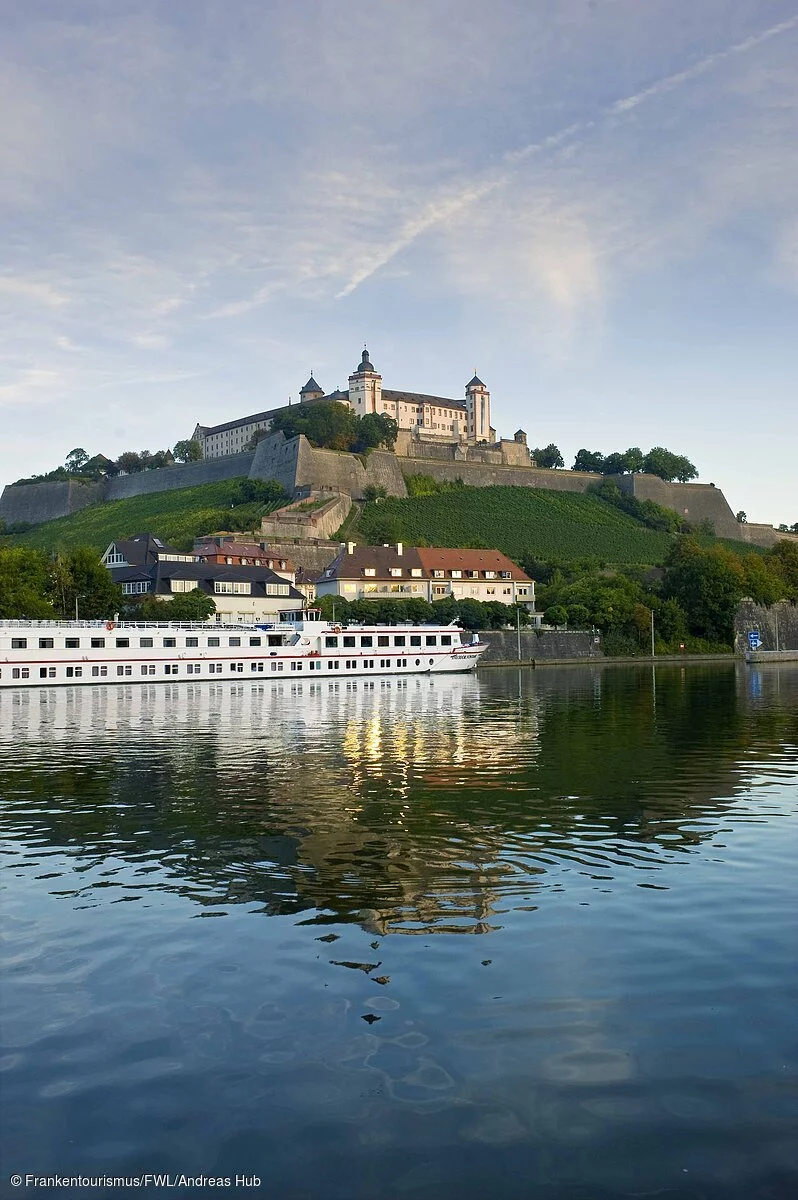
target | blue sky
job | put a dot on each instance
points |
(593, 203)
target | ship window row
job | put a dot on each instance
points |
(367, 641)
(143, 643)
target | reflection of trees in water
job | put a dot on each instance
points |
(404, 810)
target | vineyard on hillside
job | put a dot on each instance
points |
(177, 517)
(523, 522)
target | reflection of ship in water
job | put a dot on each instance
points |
(411, 805)
(294, 795)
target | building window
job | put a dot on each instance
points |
(135, 589)
(228, 588)
(369, 571)
(437, 590)
(457, 574)
(182, 585)
(276, 589)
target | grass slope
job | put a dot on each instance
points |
(177, 517)
(523, 522)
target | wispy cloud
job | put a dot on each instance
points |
(441, 210)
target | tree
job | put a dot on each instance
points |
(79, 575)
(24, 584)
(129, 462)
(614, 464)
(578, 616)
(374, 492)
(76, 460)
(373, 430)
(188, 450)
(191, 606)
(548, 456)
(669, 466)
(261, 491)
(708, 585)
(633, 459)
(556, 615)
(742, 518)
(589, 460)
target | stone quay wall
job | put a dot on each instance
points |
(777, 625)
(539, 645)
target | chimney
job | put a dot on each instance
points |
(399, 549)
(350, 547)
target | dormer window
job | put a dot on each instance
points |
(490, 574)
(370, 571)
(396, 571)
(438, 574)
(457, 574)
(415, 572)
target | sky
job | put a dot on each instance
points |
(593, 204)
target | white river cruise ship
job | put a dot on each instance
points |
(47, 653)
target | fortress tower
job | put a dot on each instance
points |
(365, 388)
(311, 390)
(477, 411)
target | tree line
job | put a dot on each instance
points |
(79, 465)
(658, 461)
(693, 598)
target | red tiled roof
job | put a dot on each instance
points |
(442, 558)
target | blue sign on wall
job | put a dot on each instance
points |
(754, 640)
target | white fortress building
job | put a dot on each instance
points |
(428, 418)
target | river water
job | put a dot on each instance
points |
(530, 934)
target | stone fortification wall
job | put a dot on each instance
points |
(276, 458)
(764, 535)
(484, 475)
(539, 644)
(777, 625)
(504, 453)
(292, 522)
(313, 557)
(33, 503)
(169, 479)
(693, 501)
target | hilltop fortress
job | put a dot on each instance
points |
(447, 439)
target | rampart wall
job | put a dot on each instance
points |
(33, 503)
(169, 479)
(764, 535)
(293, 522)
(693, 501)
(487, 475)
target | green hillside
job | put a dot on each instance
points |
(177, 517)
(523, 522)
